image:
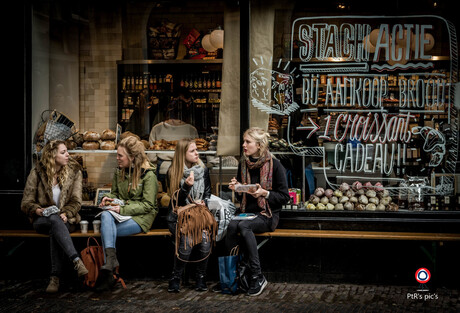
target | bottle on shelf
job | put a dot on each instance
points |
(218, 83)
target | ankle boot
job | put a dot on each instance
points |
(80, 267)
(53, 285)
(111, 261)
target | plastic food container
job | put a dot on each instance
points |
(245, 188)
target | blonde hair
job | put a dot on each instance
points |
(138, 160)
(176, 170)
(48, 160)
(260, 136)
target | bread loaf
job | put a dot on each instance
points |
(91, 145)
(108, 134)
(91, 136)
(107, 145)
(127, 134)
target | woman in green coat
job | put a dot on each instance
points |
(130, 207)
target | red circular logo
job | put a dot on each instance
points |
(422, 275)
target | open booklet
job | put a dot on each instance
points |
(120, 218)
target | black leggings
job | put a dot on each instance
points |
(247, 228)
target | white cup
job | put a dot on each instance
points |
(84, 226)
(97, 226)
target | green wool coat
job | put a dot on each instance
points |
(140, 203)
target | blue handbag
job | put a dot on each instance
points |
(228, 271)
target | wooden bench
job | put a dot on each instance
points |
(289, 233)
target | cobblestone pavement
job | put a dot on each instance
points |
(152, 296)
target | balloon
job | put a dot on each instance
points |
(374, 35)
(206, 43)
(217, 38)
(430, 43)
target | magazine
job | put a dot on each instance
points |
(120, 218)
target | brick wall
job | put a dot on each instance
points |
(100, 48)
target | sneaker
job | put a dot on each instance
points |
(200, 284)
(53, 285)
(258, 284)
(80, 267)
(174, 284)
(217, 287)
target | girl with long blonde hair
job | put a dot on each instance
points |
(190, 176)
(52, 200)
(133, 195)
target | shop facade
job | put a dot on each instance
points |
(349, 94)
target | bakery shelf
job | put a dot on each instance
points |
(146, 151)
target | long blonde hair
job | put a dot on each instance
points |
(136, 151)
(48, 161)
(176, 170)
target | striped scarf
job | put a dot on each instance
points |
(265, 164)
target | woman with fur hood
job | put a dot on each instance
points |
(51, 200)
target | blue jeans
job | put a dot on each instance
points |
(111, 229)
(60, 240)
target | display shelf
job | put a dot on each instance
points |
(181, 61)
(146, 151)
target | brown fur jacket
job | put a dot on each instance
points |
(38, 194)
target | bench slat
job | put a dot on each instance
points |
(293, 233)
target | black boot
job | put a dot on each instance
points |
(105, 281)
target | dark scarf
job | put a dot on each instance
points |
(265, 164)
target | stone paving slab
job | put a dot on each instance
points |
(152, 296)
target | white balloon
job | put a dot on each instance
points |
(217, 38)
(368, 45)
(207, 45)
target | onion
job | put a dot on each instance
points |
(378, 186)
(311, 206)
(328, 193)
(363, 199)
(344, 187)
(360, 207)
(314, 199)
(319, 192)
(344, 199)
(374, 200)
(339, 206)
(385, 200)
(324, 200)
(371, 207)
(320, 206)
(368, 185)
(349, 206)
(353, 199)
(334, 200)
(371, 193)
(380, 207)
(338, 193)
(329, 206)
(357, 185)
(349, 193)
(361, 191)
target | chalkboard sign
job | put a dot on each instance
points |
(100, 193)
(375, 91)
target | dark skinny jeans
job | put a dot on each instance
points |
(60, 240)
(185, 250)
(247, 228)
